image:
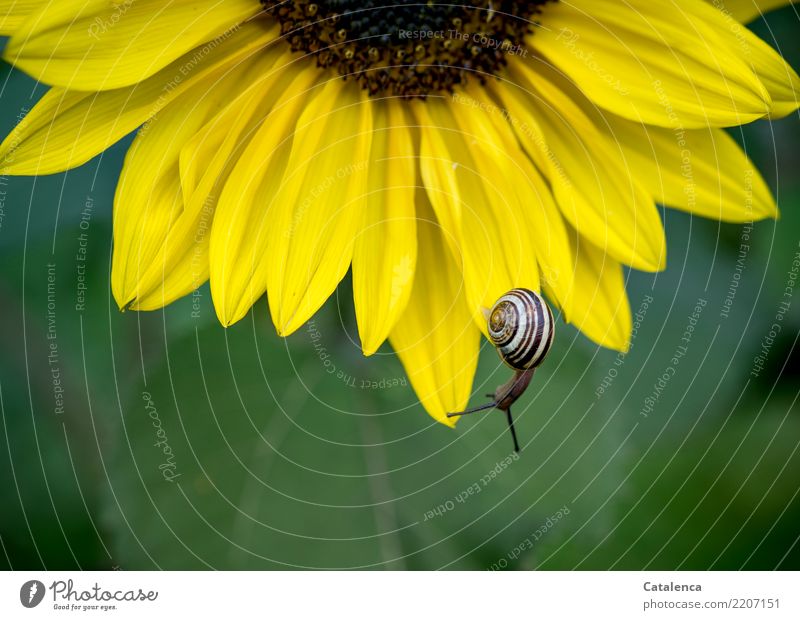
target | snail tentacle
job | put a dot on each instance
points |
(513, 431)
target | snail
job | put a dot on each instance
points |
(521, 328)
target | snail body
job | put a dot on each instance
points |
(521, 327)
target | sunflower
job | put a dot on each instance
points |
(444, 153)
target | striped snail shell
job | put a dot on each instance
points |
(521, 327)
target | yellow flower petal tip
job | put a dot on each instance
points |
(289, 327)
(441, 417)
(369, 351)
(124, 299)
(225, 316)
(623, 346)
(264, 173)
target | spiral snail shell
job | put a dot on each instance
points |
(521, 327)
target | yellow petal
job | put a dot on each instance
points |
(599, 306)
(385, 252)
(780, 80)
(101, 45)
(592, 185)
(215, 146)
(440, 176)
(702, 171)
(14, 12)
(238, 257)
(180, 262)
(748, 10)
(472, 184)
(521, 180)
(435, 338)
(320, 204)
(67, 128)
(149, 198)
(656, 61)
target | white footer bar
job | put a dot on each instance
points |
(406, 595)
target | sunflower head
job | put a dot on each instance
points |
(442, 153)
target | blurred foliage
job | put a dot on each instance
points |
(281, 463)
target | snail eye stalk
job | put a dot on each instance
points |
(491, 405)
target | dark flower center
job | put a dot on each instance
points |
(407, 48)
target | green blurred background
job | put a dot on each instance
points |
(279, 464)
